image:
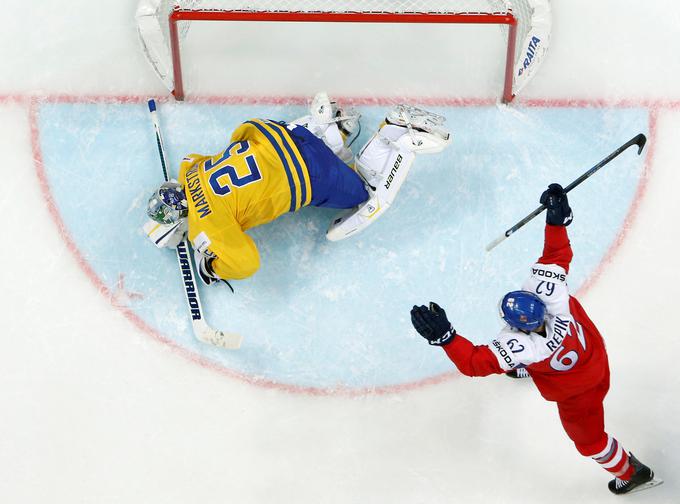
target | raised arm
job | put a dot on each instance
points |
(471, 360)
(556, 248)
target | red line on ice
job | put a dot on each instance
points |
(634, 206)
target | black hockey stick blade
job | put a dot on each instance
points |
(640, 140)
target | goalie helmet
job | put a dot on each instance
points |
(522, 310)
(168, 204)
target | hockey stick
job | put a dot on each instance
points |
(202, 331)
(638, 140)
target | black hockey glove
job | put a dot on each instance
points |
(555, 200)
(432, 324)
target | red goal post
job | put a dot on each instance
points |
(528, 22)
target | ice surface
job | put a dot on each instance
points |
(322, 314)
(96, 410)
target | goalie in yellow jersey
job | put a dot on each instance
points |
(273, 167)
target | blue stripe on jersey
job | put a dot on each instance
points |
(282, 156)
(298, 167)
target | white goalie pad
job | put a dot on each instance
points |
(384, 163)
(379, 200)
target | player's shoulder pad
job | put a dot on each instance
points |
(549, 273)
(512, 347)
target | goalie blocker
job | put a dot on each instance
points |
(384, 163)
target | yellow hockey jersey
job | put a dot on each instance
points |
(258, 177)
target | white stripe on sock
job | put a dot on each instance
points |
(610, 440)
(623, 471)
(615, 459)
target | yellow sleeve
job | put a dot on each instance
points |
(243, 132)
(237, 257)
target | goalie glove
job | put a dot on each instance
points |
(165, 235)
(432, 324)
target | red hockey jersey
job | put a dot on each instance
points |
(570, 358)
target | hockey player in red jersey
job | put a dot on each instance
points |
(549, 336)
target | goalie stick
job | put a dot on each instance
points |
(638, 140)
(202, 331)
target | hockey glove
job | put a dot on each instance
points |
(432, 324)
(555, 200)
(205, 270)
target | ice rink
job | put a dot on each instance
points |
(333, 398)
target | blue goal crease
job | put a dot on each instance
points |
(322, 314)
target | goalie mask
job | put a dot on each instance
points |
(167, 209)
(168, 204)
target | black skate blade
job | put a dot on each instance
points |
(644, 486)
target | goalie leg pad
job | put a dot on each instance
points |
(384, 163)
(395, 164)
(374, 158)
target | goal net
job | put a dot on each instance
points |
(524, 36)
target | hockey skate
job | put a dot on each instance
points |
(325, 111)
(337, 127)
(418, 119)
(347, 119)
(642, 478)
(384, 163)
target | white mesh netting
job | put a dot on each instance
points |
(421, 6)
(533, 22)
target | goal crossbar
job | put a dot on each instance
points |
(179, 14)
(528, 22)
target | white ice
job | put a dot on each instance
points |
(96, 411)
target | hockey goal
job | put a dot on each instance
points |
(163, 24)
